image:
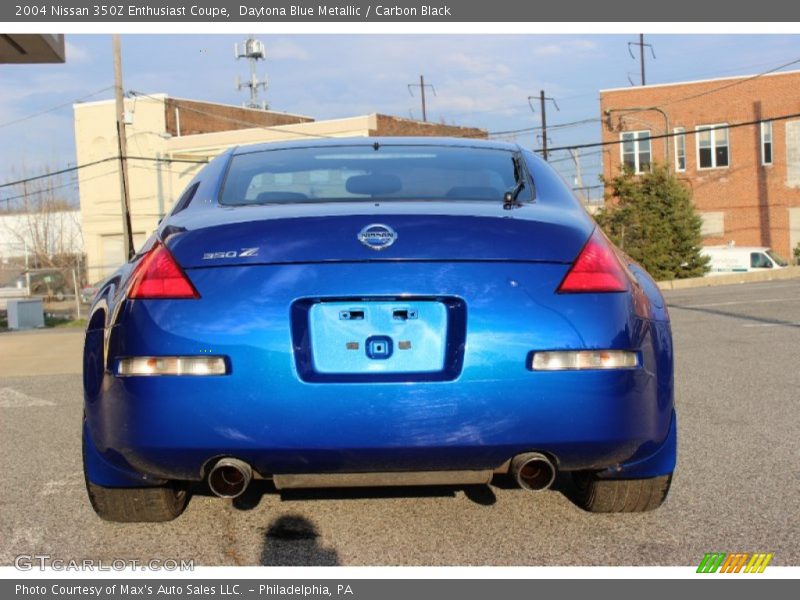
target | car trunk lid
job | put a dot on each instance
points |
(414, 231)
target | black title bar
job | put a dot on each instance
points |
(448, 11)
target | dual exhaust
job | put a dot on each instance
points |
(229, 477)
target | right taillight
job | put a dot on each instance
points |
(597, 269)
(159, 276)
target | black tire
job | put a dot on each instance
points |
(132, 505)
(620, 495)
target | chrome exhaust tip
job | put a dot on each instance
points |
(533, 471)
(229, 477)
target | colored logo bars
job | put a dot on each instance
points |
(734, 563)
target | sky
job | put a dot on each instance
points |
(479, 80)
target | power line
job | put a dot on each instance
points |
(719, 73)
(250, 124)
(281, 129)
(569, 158)
(784, 117)
(56, 187)
(685, 133)
(97, 162)
(54, 108)
(730, 85)
(551, 127)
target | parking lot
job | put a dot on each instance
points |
(737, 487)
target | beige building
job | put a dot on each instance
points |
(165, 136)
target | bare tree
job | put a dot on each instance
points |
(41, 221)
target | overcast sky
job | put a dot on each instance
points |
(480, 81)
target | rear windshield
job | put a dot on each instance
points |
(352, 173)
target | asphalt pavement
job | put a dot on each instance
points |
(736, 489)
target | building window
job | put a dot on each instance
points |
(766, 142)
(680, 149)
(636, 150)
(712, 146)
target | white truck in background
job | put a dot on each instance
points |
(728, 259)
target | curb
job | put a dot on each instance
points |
(732, 279)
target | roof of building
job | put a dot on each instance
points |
(698, 81)
(162, 97)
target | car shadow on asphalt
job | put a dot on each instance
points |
(293, 540)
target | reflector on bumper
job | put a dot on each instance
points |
(171, 365)
(576, 360)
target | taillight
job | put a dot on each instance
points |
(158, 275)
(597, 269)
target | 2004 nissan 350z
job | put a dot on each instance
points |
(369, 312)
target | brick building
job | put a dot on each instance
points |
(170, 139)
(745, 180)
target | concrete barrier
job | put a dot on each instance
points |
(733, 278)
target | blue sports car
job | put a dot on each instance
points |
(377, 311)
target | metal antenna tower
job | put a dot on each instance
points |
(253, 50)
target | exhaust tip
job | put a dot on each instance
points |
(533, 471)
(229, 477)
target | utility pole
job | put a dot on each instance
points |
(641, 45)
(641, 55)
(576, 157)
(544, 124)
(542, 102)
(421, 85)
(122, 146)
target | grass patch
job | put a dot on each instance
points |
(59, 322)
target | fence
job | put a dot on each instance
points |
(62, 286)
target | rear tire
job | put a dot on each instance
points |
(620, 495)
(132, 505)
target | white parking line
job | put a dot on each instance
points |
(58, 486)
(11, 398)
(795, 324)
(735, 302)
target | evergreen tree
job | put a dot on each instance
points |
(651, 217)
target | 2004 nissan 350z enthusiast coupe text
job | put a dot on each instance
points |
(377, 311)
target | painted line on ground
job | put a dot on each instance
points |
(736, 302)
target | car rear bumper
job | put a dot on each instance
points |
(488, 409)
(171, 428)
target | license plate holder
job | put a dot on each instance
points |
(378, 336)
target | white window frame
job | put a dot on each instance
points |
(712, 130)
(636, 135)
(766, 126)
(680, 136)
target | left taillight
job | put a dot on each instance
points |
(159, 276)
